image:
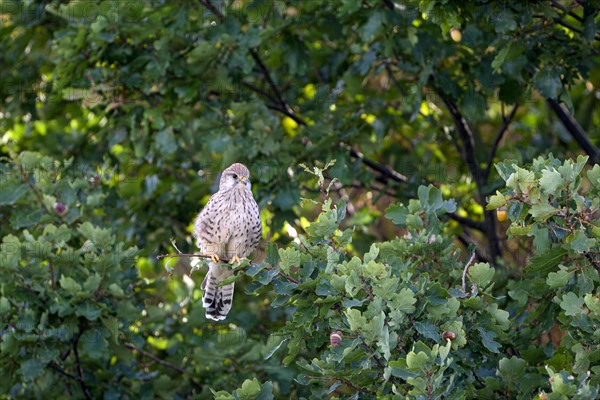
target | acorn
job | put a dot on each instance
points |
(455, 35)
(335, 338)
(447, 335)
(501, 214)
(60, 208)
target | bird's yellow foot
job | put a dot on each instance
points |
(236, 259)
(214, 258)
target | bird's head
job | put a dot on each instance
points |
(235, 176)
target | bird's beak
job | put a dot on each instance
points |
(244, 180)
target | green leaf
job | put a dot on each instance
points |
(580, 242)
(166, 141)
(88, 310)
(98, 236)
(551, 180)
(487, 338)
(559, 278)
(31, 369)
(427, 329)
(548, 82)
(594, 176)
(289, 258)
(70, 285)
(325, 226)
(521, 180)
(92, 283)
(249, 389)
(511, 369)
(572, 304)
(92, 342)
(417, 361)
(547, 261)
(373, 329)
(404, 301)
(542, 212)
(10, 252)
(355, 319)
(397, 213)
(11, 192)
(222, 395)
(481, 274)
(496, 201)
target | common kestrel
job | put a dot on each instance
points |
(229, 227)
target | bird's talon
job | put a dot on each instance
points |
(236, 260)
(215, 258)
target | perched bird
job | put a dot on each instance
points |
(228, 227)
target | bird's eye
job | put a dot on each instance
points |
(235, 176)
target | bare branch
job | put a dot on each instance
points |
(573, 127)
(199, 255)
(467, 139)
(480, 226)
(464, 275)
(499, 137)
(385, 171)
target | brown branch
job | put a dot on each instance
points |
(480, 226)
(56, 367)
(213, 9)
(384, 170)
(467, 139)
(464, 274)
(84, 387)
(151, 356)
(468, 155)
(556, 4)
(188, 255)
(499, 137)
(576, 131)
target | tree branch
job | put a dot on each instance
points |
(213, 9)
(162, 362)
(385, 171)
(84, 387)
(573, 127)
(499, 137)
(199, 255)
(151, 356)
(480, 226)
(468, 155)
(468, 141)
(464, 275)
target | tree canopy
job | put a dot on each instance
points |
(427, 174)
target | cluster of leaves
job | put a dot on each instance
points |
(553, 202)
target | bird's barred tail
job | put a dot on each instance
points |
(216, 299)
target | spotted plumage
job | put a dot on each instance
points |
(229, 227)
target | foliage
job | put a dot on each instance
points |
(116, 118)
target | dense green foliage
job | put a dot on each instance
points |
(383, 273)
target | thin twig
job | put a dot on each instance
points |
(188, 255)
(55, 367)
(464, 275)
(191, 255)
(162, 362)
(151, 356)
(499, 136)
